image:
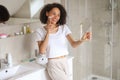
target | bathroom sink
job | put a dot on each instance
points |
(8, 73)
(20, 71)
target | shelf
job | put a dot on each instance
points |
(21, 20)
(17, 37)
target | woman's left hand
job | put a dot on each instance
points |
(86, 36)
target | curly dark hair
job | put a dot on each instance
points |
(48, 7)
(4, 14)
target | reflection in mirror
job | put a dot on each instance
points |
(24, 12)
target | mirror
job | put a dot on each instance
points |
(23, 11)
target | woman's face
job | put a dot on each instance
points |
(53, 15)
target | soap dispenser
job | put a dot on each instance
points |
(9, 59)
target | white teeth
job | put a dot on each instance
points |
(50, 16)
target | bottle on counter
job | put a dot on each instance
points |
(9, 59)
(24, 29)
(28, 30)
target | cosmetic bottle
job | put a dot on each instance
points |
(9, 59)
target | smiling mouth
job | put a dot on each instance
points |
(50, 17)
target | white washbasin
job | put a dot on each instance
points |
(8, 73)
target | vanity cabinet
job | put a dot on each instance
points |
(40, 73)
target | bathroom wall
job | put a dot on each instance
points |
(77, 14)
(21, 47)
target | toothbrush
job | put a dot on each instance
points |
(50, 18)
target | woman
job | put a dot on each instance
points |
(52, 40)
(4, 14)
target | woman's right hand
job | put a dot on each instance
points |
(49, 25)
(51, 28)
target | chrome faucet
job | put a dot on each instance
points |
(6, 62)
(3, 63)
